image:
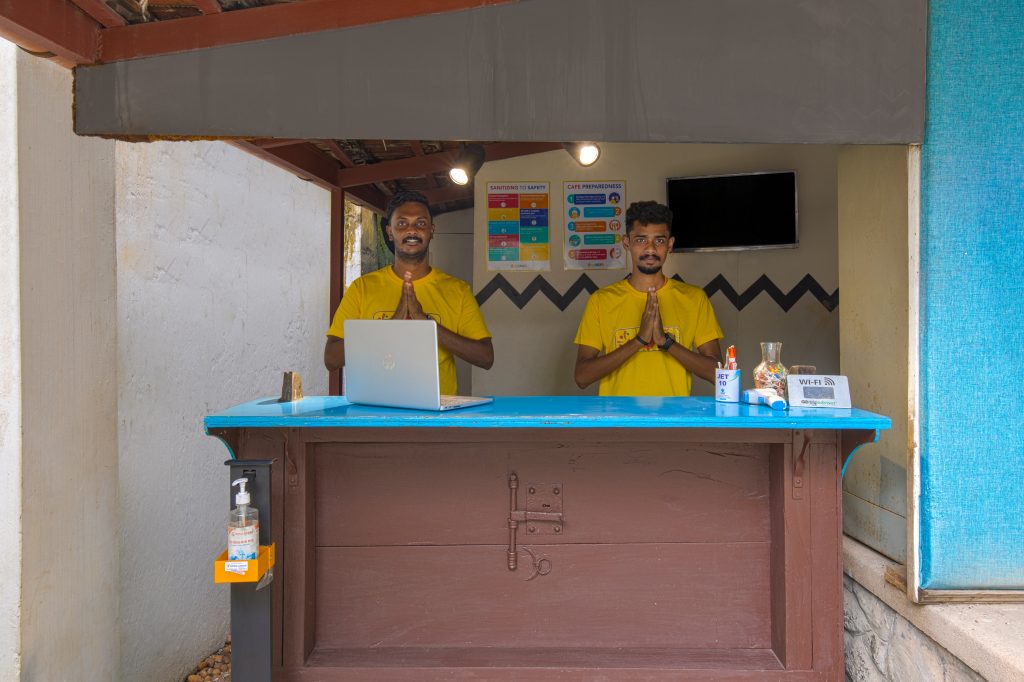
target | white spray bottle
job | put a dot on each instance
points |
(243, 526)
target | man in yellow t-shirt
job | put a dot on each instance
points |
(647, 334)
(411, 289)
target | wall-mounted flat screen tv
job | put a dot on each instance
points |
(732, 212)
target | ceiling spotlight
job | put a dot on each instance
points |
(585, 153)
(471, 157)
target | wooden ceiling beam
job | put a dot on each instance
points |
(345, 159)
(53, 26)
(208, 6)
(272, 142)
(417, 149)
(416, 166)
(261, 23)
(304, 161)
(368, 196)
(309, 163)
(101, 12)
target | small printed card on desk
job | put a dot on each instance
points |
(818, 390)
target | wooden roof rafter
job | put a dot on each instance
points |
(416, 166)
(101, 12)
(339, 153)
(83, 32)
(262, 23)
(309, 163)
(417, 149)
(208, 6)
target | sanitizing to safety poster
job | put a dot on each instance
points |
(594, 225)
(518, 233)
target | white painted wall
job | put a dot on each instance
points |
(451, 251)
(10, 372)
(69, 409)
(222, 285)
(874, 336)
(112, 501)
(534, 350)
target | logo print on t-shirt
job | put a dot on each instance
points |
(386, 315)
(624, 336)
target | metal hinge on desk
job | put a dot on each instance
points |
(799, 466)
(542, 516)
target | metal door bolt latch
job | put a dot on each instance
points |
(542, 516)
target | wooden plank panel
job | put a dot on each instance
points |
(652, 595)
(390, 494)
(487, 435)
(826, 561)
(537, 674)
(791, 596)
(796, 515)
(552, 657)
(299, 557)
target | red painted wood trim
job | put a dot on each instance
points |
(417, 149)
(337, 270)
(805, 529)
(262, 23)
(272, 142)
(302, 160)
(53, 26)
(339, 152)
(309, 163)
(208, 6)
(299, 583)
(101, 12)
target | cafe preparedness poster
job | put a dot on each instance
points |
(518, 233)
(594, 225)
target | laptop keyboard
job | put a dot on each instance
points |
(454, 400)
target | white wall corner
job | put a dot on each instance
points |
(10, 372)
(69, 411)
(222, 284)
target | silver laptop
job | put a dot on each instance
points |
(393, 363)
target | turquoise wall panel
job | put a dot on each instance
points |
(972, 291)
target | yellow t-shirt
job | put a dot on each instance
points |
(612, 319)
(445, 299)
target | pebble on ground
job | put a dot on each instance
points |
(214, 668)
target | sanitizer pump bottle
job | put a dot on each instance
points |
(243, 526)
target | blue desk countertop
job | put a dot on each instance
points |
(544, 412)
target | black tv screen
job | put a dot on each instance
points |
(752, 210)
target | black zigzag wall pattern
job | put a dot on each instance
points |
(539, 285)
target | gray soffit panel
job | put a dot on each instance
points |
(825, 71)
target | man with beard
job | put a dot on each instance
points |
(646, 334)
(412, 290)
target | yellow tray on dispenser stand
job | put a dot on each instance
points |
(225, 571)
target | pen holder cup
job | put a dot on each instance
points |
(727, 385)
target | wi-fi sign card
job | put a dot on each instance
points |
(818, 390)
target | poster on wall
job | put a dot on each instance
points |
(518, 234)
(594, 225)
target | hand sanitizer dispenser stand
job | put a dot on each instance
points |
(251, 602)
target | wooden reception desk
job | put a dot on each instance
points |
(554, 538)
